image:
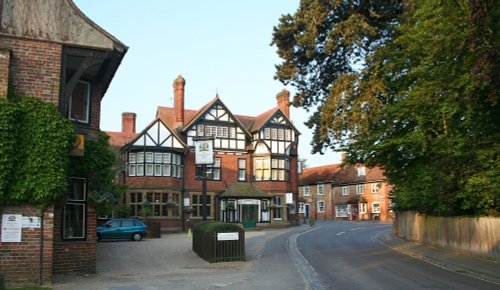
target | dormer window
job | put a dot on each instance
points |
(361, 171)
(79, 102)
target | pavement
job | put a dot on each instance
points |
(169, 263)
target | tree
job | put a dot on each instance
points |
(413, 90)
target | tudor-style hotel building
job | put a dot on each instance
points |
(253, 179)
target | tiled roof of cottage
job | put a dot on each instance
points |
(245, 189)
(349, 174)
(119, 139)
(321, 174)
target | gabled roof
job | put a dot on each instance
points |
(245, 189)
(264, 118)
(203, 110)
(316, 175)
(349, 174)
(146, 129)
(120, 139)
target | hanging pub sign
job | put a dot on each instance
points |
(79, 146)
(204, 151)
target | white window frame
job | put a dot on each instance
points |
(321, 205)
(375, 207)
(345, 190)
(361, 171)
(301, 207)
(363, 208)
(341, 210)
(320, 189)
(307, 190)
(360, 189)
(376, 187)
(86, 119)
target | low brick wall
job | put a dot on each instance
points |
(477, 236)
(20, 262)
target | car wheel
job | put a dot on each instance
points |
(136, 237)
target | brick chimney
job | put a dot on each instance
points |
(283, 99)
(128, 123)
(179, 84)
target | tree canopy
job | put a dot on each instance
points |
(411, 86)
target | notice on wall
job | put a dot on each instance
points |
(12, 228)
(228, 236)
(289, 198)
(31, 222)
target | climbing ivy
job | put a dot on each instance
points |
(34, 144)
(98, 166)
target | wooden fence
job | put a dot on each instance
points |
(478, 236)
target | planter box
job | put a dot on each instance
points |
(216, 247)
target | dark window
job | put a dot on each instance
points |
(213, 171)
(74, 210)
(79, 102)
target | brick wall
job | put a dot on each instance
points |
(20, 262)
(75, 256)
(35, 68)
(4, 71)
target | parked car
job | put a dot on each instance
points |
(122, 228)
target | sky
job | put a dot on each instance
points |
(218, 46)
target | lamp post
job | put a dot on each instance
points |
(204, 155)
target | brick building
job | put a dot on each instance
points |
(342, 192)
(253, 178)
(50, 50)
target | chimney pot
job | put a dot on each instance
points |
(283, 99)
(179, 84)
(128, 122)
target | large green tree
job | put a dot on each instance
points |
(410, 87)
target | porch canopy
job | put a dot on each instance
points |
(242, 190)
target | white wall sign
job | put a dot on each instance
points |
(289, 198)
(228, 236)
(11, 228)
(204, 152)
(186, 201)
(31, 222)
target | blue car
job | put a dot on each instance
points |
(122, 228)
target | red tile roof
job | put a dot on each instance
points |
(349, 174)
(321, 174)
(119, 139)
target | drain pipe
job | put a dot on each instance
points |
(40, 283)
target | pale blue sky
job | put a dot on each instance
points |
(217, 46)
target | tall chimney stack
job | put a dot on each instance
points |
(179, 84)
(128, 122)
(283, 99)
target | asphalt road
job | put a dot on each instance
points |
(346, 256)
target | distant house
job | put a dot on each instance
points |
(315, 192)
(253, 177)
(50, 50)
(342, 192)
(361, 193)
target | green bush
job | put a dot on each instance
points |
(218, 227)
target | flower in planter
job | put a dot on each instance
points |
(229, 205)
